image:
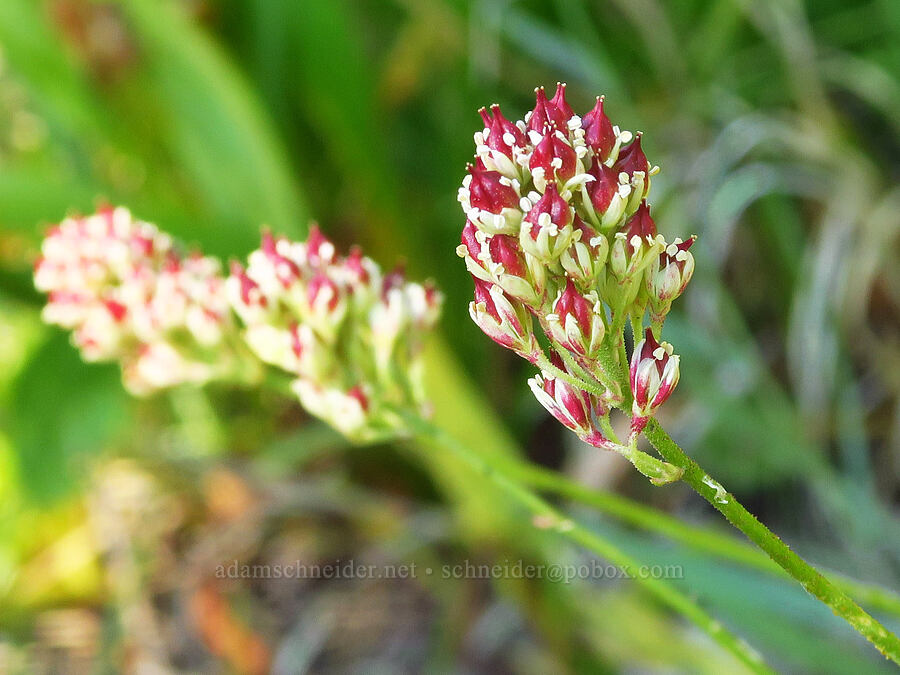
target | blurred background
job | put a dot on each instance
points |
(777, 127)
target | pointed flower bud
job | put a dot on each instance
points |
(549, 115)
(577, 322)
(553, 159)
(319, 250)
(633, 163)
(608, 196)
(632, 158)
(631, 252)
(654, 374)
(598, 131)
(547, 227)
(495, 145)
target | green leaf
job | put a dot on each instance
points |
(63, 409)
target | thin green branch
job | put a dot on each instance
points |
(696, 537)
(814, 582)
(551, 519)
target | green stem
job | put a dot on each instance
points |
(696, 537)
(816, 584)
(637, 328)
(544, 364)
(550, 518)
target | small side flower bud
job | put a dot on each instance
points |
(669, 274)
(654, 374)
(631, 252)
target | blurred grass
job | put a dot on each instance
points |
(777, 126)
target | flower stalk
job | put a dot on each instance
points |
(811, 579)
(549, 518)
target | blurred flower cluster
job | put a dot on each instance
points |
(348, 334)
(128, 295)
(558, 229)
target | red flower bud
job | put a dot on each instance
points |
(548, 115)
(503, 320)
(504, 250)
(641, 224)
(654, 372)
(556, 208)
(502, 134)
(354, 263)
(286, 269)
(323, 289)
(470, 241)
(488, 192)
(250, 292)
(570, 406)
(318, 249)
(572, 303)
(598, 131)
(604, 186)
(555, 156)
(559, 101)
(632, 158)
(670, 254)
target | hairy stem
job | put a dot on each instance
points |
(811, 580)
(549, 518)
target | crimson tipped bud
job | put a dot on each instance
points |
(598, 131)
(549, 115)
(654, 373)
(553, 159)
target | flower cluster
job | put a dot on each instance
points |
(348, 334)
(128, 295)
(558, 230)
